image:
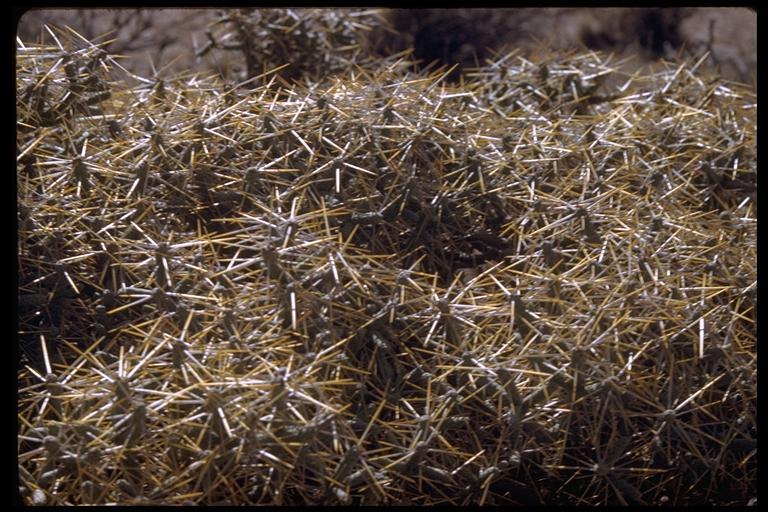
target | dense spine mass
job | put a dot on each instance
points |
(537, 285)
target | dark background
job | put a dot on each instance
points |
(166, 38)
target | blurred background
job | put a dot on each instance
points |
(166, 39)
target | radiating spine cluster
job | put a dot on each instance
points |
(380, 288)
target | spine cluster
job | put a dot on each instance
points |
(537, 285)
